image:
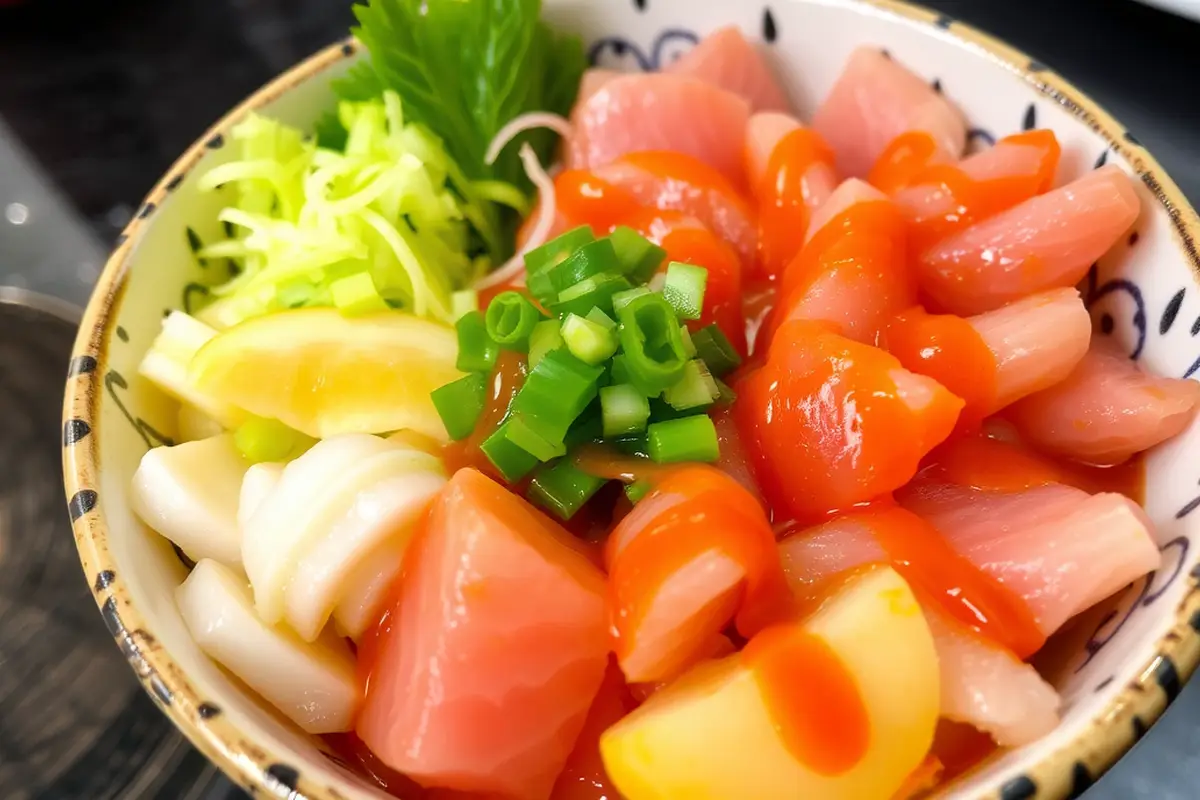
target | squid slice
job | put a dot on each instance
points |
(312, 684)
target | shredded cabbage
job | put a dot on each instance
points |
(391, 207)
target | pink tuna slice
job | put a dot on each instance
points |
(1007, 159)
(674, 183)
(763, 132)
(1046, 242)
(982, 684)
(1060, 548)
(727, 60)
(1036, 342)
(857, 295)
(1107, 409)
(497, 645)
(659, 111)
(874, 101)
(592, 80)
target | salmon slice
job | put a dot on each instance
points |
(817, 442)
(874, 101)
(1107, 409)
(1090, 546)
(726, 59)
(998, 357)
(677, 182)
(853, 272)
(982, 683)
(944, 199)
(734, 461)
(1046, 242)
(695, 553)
(481, 677)
(584, 776)
(791, 170)
(658, 111)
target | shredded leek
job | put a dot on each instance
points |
(386, 221)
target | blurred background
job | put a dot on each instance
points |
(96, 100)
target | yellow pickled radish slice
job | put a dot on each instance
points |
(325, 374)
(716, 733)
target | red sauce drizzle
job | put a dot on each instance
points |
(507, 378)
(949, 350)
(811, 697)
(785, 198)
(926, 560)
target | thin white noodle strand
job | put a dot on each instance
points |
(518, 125)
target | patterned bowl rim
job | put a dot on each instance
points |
(1065, 772)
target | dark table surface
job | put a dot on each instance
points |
(106, 94)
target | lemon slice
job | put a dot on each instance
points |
(325, 374)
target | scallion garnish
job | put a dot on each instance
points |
(715, 350)
(692, 438)
(684, 289)
(624, 410)
(476, 350)
(615, 364)
(563, 488)
(510, 319)
(654, 353)
(590, 342)
(460, 404)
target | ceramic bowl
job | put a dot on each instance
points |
(1117, 668)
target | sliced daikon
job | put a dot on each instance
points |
(194, 425)
(189, 494)
(313, 684)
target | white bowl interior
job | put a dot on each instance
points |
(1144, 292)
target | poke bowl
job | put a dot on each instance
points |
(650, 399)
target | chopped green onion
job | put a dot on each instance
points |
(586, 428)
(463, 302)
(654, 354)
(459, 404)
(563, 488)
(594, 292)
(691, 438)
(689, 346)
(476, 350)
(600, 318)
(727, 395)
(541, 287)
(510, 319)
(637, 490)
(684, 289)
(714, 348)
(622, 299)
(639, 256)
(589, 342)
(520, 433)
(540, 259)
(512, 461)
(624, 410)
(259, 440)
(593, 258)
(695, 389)
(556, 392)
(632, 445)
(544, 338)
(356, 295)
